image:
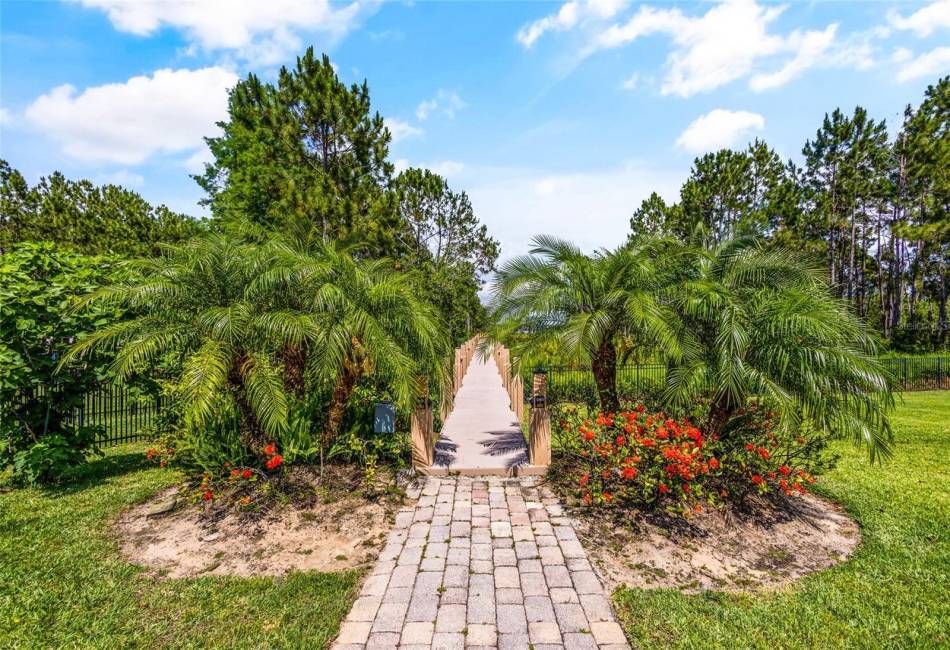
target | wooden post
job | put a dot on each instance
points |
(420, 428)
(539, 439)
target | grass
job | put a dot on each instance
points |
(894, 592)
(63, 584)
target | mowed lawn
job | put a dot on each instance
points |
(893, 593)
(62, 583)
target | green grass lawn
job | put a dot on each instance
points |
(893, 593)
(62, 583)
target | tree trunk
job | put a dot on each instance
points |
(604, 365)
(719, 414)
(345, 383)
(294, 359)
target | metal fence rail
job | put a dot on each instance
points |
(566, 384)
(123, 415)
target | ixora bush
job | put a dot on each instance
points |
(272, 343)
(645, 458)
(40, 285)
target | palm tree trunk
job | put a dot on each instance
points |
(719, 414)
(345, 383)
(294, 359)
(604, 365)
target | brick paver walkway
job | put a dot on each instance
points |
(482, 563)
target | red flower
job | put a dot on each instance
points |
(163, 463)
(208, 495)
(270, 449)
(714, 463)
(235, 473)
(621, 441)
(588, 435)
(763, 452)
(585, 479)
(629, 473)
(750, 447)
(587, 499)
(247, 473)
(757, 479)
(275, 461)
(784, 470)
(608, 497)
(641, 408)
(662, 434)
(663, 489)
(150, 454)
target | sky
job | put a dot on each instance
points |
(555, 117)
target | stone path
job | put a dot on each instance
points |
(482, 563)
(482, 434)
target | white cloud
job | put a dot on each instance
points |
(567, 17)
(195, 163)
(732, 40)
(401, 130)
(168, 112)
(901, 55)
(630, 83)
(263, 32)
(446, 168)
(810, 48)
(445, 102)
(123, 177)
(926, 20)
(590, 208)
(400, 165)
(932, 63)
(6, 117)
(718, 129)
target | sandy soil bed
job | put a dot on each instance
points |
(714, 550)
(326, 534)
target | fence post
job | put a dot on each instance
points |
(539, 438)
(420, 428)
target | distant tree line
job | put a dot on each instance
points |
(874, 207)
(84, 217)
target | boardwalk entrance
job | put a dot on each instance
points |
(482, 435)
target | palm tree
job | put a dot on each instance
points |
(369, 319)
(588, 308)
(200, 304)
(254, 325)
(759, 322)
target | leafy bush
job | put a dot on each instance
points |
(40, 286)
(647, 458)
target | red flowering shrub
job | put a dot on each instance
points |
(649, 458)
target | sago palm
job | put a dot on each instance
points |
(762, 323)
(584, 307)
(200, 302)
(368, 319)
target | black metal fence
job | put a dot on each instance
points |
(123, 414)
(927, 373)
(577, 384)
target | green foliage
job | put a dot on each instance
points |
(271, 341)
(84, 217)
(305, 157)
(589, 309)
(757, 322)
(40, 287)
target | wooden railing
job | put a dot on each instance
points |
(422, 431)
(539, 425)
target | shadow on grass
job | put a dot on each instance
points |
(100, 470)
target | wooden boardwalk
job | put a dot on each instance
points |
(482, 435)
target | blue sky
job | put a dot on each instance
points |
(556, 117)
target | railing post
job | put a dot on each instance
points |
(420, 428)
(539, 438)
